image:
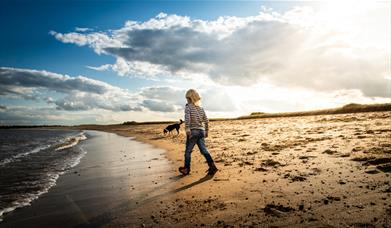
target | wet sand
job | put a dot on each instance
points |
(314, 171)
(113, 179)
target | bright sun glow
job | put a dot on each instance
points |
(364, 23)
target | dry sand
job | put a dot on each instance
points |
(314, 171)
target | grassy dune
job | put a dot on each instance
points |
(349, 108)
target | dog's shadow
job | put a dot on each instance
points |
(164, 137)
(157, 137)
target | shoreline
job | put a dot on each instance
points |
(170, 149)
(111, 179)
(156, 140)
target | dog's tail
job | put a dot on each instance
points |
(180, 121)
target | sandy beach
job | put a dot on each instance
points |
(314, 171)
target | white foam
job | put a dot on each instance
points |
(77, 159)
(73, 141)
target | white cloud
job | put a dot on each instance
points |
(159, 106)
(96, 40)
(138, 68)
(75, 38)
(217, 99)
(100, 68)
(79, 29)
(266, 98)
(166, 93)
(300, 48)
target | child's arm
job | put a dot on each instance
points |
(187, 120)
(206, 121)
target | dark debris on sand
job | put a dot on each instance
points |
(271, 162)
(277, 210)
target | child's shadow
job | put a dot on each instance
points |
(200, 181)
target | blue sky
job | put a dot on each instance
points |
(35, 19)
(239, 54)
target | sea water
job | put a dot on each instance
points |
(31, 161)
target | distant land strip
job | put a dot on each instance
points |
(349, 108)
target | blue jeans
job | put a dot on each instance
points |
(197, 137)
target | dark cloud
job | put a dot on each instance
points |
(176, 48)
(17, 91)
(78, 93)
(17, 116)
(39, 116)
(72, 105)
(14, 77)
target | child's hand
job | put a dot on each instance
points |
(188, 133)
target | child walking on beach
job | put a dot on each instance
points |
(196, 126)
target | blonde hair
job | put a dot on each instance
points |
(193, 97)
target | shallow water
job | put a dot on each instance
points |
(31, 161)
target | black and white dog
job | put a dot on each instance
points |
(171, 127)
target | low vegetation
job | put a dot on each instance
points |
(349, 108)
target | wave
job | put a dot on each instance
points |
(71, 141)
(29, 197)
(51, 179)
(64, 144)
(17, 156)
(71, 159)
